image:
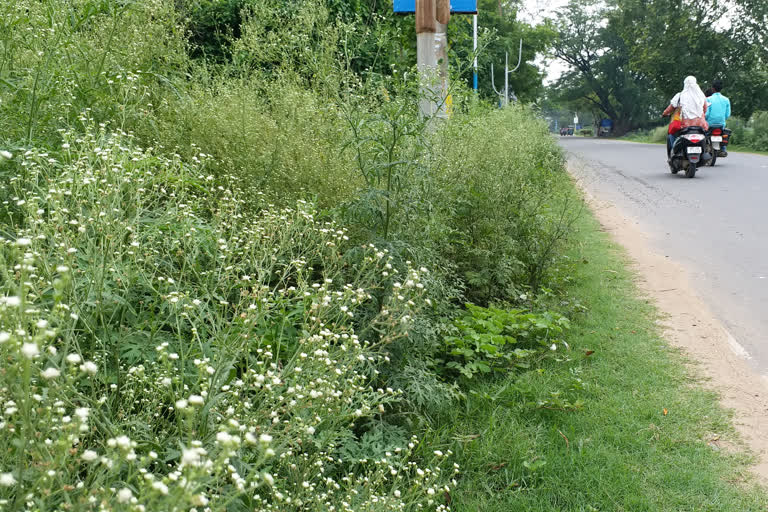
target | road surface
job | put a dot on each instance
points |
(715, 225)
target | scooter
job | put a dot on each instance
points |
(688, 151)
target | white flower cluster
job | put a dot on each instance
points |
(186, 354)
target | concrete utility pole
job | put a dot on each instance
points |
(432, 17)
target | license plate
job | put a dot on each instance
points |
(716, 138)
(694, 149)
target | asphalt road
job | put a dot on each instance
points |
(716, 224)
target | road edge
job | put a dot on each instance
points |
(689, 324)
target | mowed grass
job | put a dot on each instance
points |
(619, 423)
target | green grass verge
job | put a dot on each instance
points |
(522, 446)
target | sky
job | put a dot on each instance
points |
(534, 11)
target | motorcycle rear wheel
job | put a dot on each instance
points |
(690, 172)
(711, 151)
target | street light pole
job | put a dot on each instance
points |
(474, 51)
(507, 71)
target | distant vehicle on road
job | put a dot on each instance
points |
(606, 125)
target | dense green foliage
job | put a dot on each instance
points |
(234, 261)
(231, 252)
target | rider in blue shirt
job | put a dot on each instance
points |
(718, 109)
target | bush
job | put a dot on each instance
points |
(502, 198)
(659, 134)
(179, 323)
(492, 339)
(280, 140)
(113, 59)
(175, 352)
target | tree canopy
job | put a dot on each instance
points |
(628, 57)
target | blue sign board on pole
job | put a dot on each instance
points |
(457, 6)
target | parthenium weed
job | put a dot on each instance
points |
(166, 351)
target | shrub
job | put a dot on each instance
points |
(491, 339)
(659, 134)
(503, 201)
(280, 140)
(173, 352)
(59, 58)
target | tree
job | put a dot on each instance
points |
(629, 57)
(751, 18)
(601, 75)
(669, 39)
(503, 34)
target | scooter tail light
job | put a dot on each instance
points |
(717, 131)
(694, 138)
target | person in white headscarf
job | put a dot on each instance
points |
(692, 104)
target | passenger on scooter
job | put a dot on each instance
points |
(693, 107)
(719, 110)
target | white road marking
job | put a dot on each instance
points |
(735, 346)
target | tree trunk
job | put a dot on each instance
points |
(621, 127)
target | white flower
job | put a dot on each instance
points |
(30, 350)
(310, 430)
(6, 479)
(62, 268)
(11, 300)
(160, 486)
(431, 491)
(82, 413)
(553, 347)
(42, 324)
(6, 155)
(181, 404)
(196, 400)
(89, 367)
(89, 455)
(4, 336)
(23, 242)
(199, 500)
(265, 438)
(397, 494)
(191, 456)
(124, 495)
(73, 358)
(123, 442)
(50, 373)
